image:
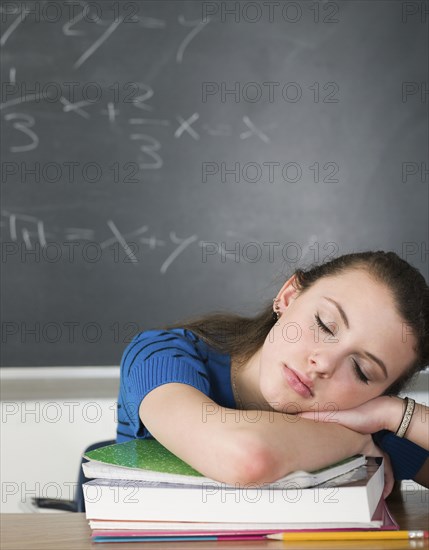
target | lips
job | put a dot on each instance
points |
(296, 382)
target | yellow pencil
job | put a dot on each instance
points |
(348, 535)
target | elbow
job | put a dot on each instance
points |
(255, 463)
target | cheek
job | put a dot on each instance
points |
(347, 396)
(268, 380)
(288, 342)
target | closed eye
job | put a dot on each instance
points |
(360, 375)
(322, 325)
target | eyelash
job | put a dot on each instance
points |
(357, 370)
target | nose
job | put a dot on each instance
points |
(323, 366)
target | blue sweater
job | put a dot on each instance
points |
(157, 357)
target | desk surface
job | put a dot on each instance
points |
(69, 531)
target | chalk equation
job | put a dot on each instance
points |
(26, 238)
(150, 156)
(123, 247)
(150, 146)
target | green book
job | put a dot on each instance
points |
(148, 460)
(143, 454)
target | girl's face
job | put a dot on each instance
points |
(364, 348)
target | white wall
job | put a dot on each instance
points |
(49, 416)
(42, 439)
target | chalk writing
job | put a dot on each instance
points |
(23, 123)
(19, 19)
(19, 228)
(94, 47)
(31, 231)
(199, 26)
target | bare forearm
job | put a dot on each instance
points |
(382, 413)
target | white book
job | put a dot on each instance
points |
(215, 502)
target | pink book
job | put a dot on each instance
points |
(381, 514)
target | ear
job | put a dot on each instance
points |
(287, 293)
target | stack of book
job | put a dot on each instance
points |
(143, 492)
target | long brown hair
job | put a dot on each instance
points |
(242, 336)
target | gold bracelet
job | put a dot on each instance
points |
(406, 419)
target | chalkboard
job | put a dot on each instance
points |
(165, 159)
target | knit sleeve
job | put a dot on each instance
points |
(152, 359)
(407, 458)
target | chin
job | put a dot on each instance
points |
(283, 403)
